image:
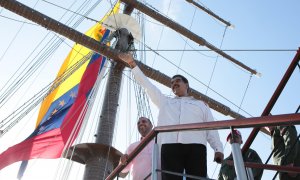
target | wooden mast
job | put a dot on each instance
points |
(98, 163)
(105, 158)
(94, 45)
(184, 31)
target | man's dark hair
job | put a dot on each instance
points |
(146, 119)
(182, 77)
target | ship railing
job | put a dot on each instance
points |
(258, 122)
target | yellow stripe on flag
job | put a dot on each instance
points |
(77, 53)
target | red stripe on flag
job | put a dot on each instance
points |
(47, 145)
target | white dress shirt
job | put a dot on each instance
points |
(141, 165)
(180, 110)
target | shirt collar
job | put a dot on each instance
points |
(184, 97)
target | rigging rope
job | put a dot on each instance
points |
(63, 76)
(18, 20)
(245, 93)
(231, 50)
(142, 97)
(186, 39)
(13, 40)
(160, 35)
(110, 134)
(39, 97)
(84, 118)
(215, 64)
(15, 36)
(9, 45)
(81, 117)
(128, 113)
(23, 77)
(169, 61)
(142, 100)
(13, 87)
(211, 76)
(97, 84)
(215, 17)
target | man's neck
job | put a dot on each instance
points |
(184, 95)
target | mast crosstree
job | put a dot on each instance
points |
(94, 155)
(90, 153)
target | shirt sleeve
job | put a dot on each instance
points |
(290, 140)
(213, 137)
(154, 93)
(252, 156)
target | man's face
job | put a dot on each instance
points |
(179, 87)
(144, 126)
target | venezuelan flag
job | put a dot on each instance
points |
(59, 121)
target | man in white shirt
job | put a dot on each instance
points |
(140, 166)
(185, 150)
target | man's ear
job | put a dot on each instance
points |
(188, 87)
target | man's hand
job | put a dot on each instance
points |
(219, 157)
(128, 59)
(123, 159)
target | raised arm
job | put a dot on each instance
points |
(154, 93)
(128, 59)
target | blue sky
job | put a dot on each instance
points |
(259, 25)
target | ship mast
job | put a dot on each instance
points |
(98, 162)
(94, 45)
